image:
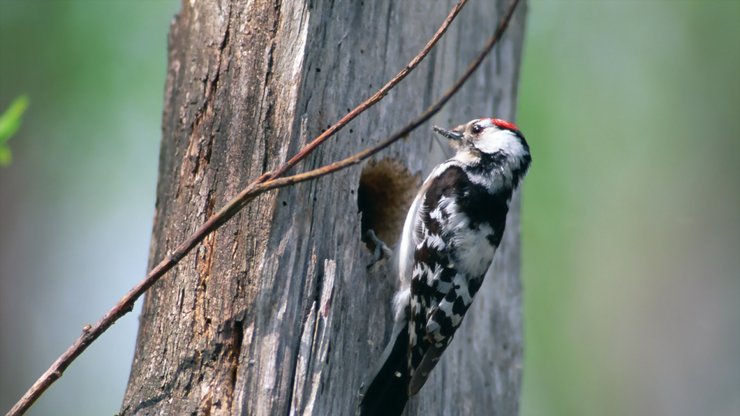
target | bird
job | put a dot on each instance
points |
(450, 236)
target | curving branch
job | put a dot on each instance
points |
(268, 181)
(382, 92)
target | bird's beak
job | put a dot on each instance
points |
(450, 134)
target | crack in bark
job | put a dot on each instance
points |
(305, 322)
(233, 359)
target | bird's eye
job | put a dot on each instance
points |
(477, 128)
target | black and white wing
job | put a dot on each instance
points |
(458, 228)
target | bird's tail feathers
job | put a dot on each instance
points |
(387, 392)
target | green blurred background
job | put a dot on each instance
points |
(631, 215)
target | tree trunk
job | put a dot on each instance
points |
(276, 313)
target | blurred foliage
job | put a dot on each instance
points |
(78, 198)
(10, 122)
(632, 208)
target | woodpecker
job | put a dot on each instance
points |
(449, 239)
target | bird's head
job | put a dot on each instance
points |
(488, 138)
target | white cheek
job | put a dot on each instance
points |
(503, 140)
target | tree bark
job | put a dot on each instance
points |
(275, 313)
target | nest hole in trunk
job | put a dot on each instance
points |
(384, 195)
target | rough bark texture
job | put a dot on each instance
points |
(276, 313)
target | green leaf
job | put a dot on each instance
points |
(10, 120)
